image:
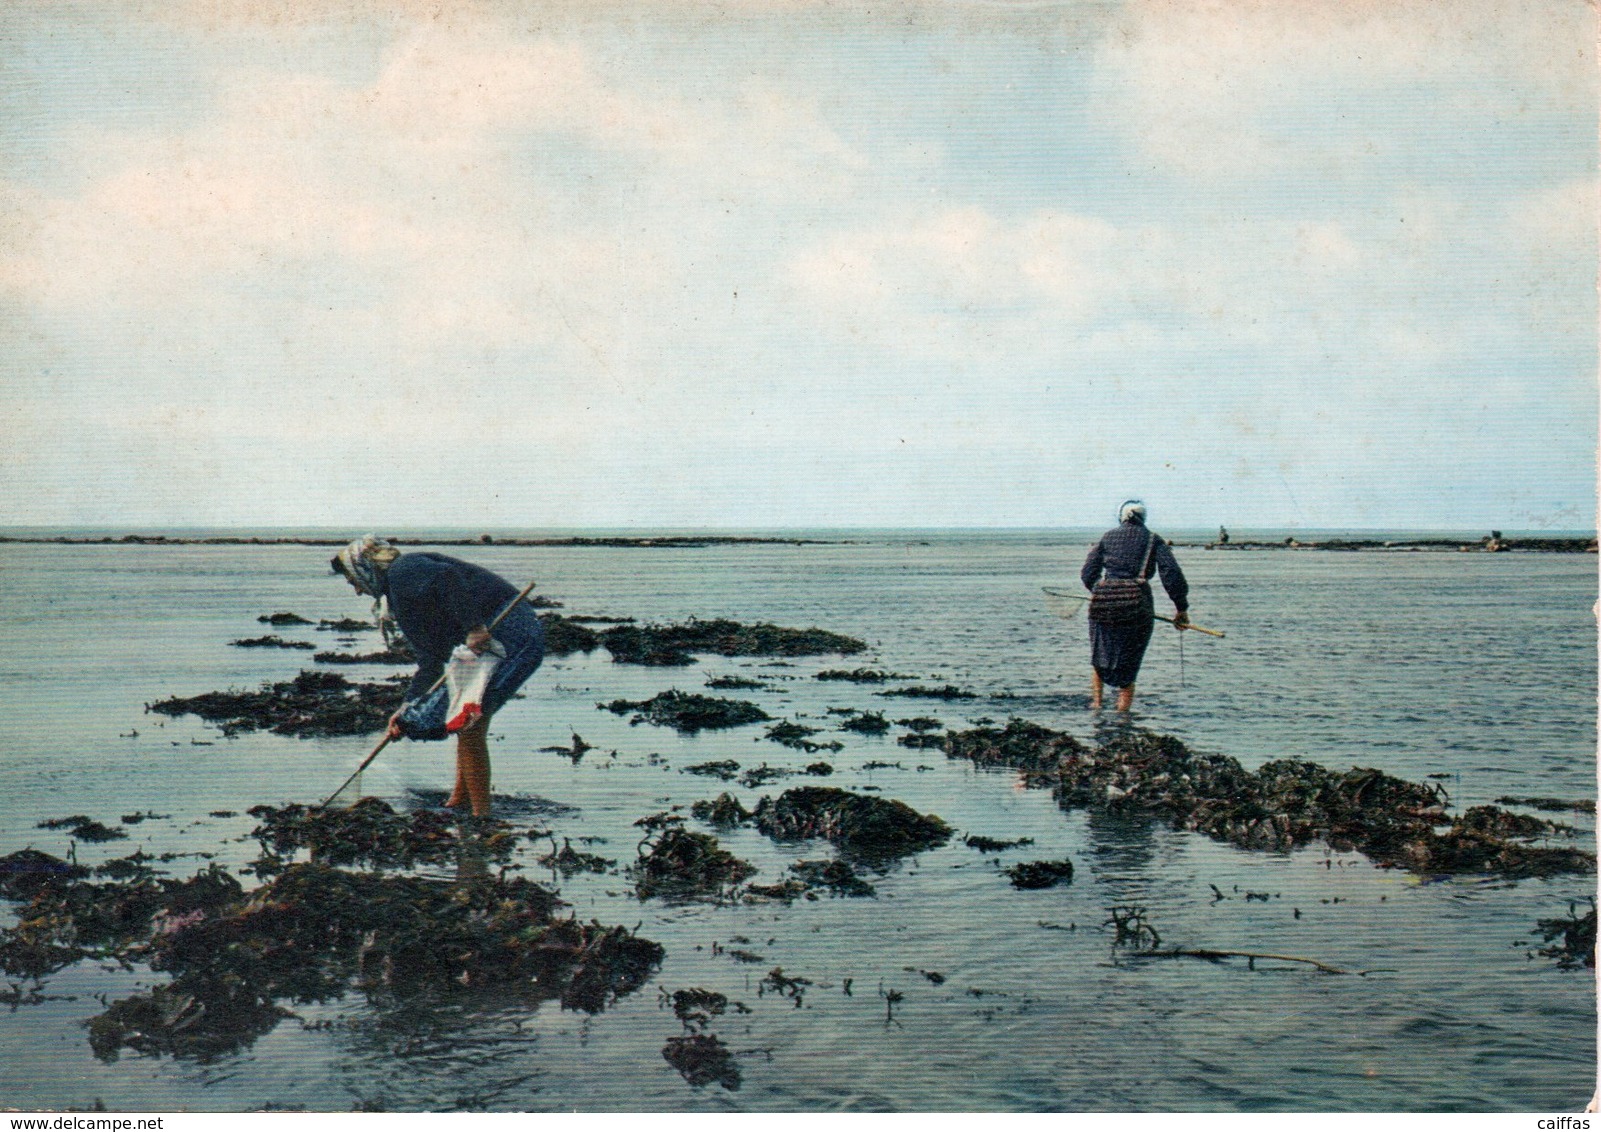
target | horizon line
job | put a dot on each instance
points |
(413, 528)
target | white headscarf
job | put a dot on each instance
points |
(1132, 508)
(364, 561)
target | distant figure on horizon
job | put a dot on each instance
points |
(1122, 613)
(1223, 535)
(440, 603)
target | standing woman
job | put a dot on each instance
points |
(440, 602)
(1122, 613)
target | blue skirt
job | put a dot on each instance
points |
(523, 637)
(1116, 651)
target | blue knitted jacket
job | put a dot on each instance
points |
(436, 600)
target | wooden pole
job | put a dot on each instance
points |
(1064, 595)
(1197, 628)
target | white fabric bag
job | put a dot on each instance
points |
(467, 677)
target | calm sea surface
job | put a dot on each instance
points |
(1477, 666)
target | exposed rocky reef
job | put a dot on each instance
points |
(239, 960)
(1285, 804)
(860, 825)
(674, 861)
(674, 645)
(688, 712)
(312, 705)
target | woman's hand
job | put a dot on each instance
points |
(394, 731)
(1181, 620)
(479, 639)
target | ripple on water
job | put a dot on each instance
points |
(1460, 1018)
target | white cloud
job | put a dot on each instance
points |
(961, 282)
(488, 246)
(425, 190)
(1558, 221)
(1327, 247)
(1052, 291)
(636, 291)
(1226, 88)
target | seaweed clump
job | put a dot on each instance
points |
(785, 890)
(1493, 822)
(397, 653)
(238, 959)
(316, 931)
(735, 683)
(568, 860)
(866, 723)
(85, 828)
(860, 675)
(993, 844)
(861, 825)
(673, 645)
(702, 1059)
(371, 832)
(312, 705)
(724, 810)
(1581, 806)
(725, 769)
(696, 1007)
(762, 775)
(345, 625)
(27, 872)
(1284, 805)
(564, 635)
(808, 878)
(837, 877)
(67, 919)
(674, 861)
(945, 692)
(1040, 874)
(131, 867)
(795, 735)
(688, 712)
(1574, 937)
(271, 642)
(1020, 745)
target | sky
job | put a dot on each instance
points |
(756, 263)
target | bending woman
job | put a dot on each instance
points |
(440, 602)
(1129, 550)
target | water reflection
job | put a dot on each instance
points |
(462, 1050)
(472, 861)
(1122, 845)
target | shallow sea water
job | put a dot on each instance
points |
(1476, 666)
